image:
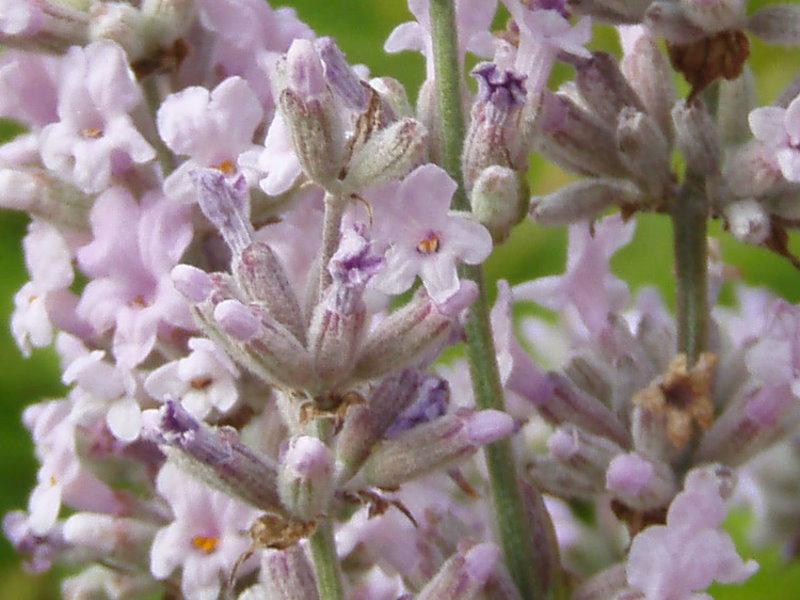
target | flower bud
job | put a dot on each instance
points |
(590, 454)
(649, 73)
(393, 95)
(365, 424)
(697, 137)
(218, 458)
(262, 279)
(777, 25)
(37, 193)
(499, 200)
(748, 221)
(715, 15)
(644, 151)
(310, 112)
(287, 575)
(340, 76)
(604, 88)
(433, 445)
(47, 26)
(464, 575)
(192, 283)
(560, 479)
(543, 536)
(226, 205)
(737, 99)
(120, 23)
(639, 483)
(169, 20)
(583, 200)
(237, 320)
(407, 335)
(127, 540)
(305, 478)
(577, 140)
(494, 133)
(389, 154)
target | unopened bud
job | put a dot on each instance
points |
(697, 137)
(192, 283)
(645, 151)
(393, 95)
(464, 575)
(340, 75)
(494, 133)
(305, 480)
(169, 19)
(388, 155)
(639, 483)
(584, 200)
(577, 140)
(748, 221)
(408, 334)
(611, 11)
(604, 88)
(499, 200)
(218, 458)
(777, 25)
(650, 75)
(287, 575)
(263, 280)
(590, 454)
(433, 445)
(226, 205)
(237, 320)
(715, 15)
(311, 114)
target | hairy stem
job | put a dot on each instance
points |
(512, 523)
(326, 565)
(690, 229)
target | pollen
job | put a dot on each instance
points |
(429, 245)
(201, 383)
(92, 133)
(227, 166)
(205, 543)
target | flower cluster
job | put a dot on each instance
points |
(250, 259)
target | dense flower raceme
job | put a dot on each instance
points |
(228, 225)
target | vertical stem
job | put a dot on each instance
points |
(512, 524)
(690, 229)
(326, 563)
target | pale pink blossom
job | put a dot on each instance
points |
(423, 237)
(28, 87)
(95, 138)
(205, 540)
(778, 129)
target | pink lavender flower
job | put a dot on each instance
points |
(778, 129)
(679, 560)
(28, 88)
(474, 18)
(212, 128)
(588, 291)
(424, 238)
(543, 33)
(95, 138)
(134, 248)
(203, 381)
(205, 539)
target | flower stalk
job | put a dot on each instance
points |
(326, 564)
(512, 525)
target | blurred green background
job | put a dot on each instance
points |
(361, 26)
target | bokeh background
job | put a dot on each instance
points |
(361, 26)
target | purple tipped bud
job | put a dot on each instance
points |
(288, 575)
(464, 575)
(237, 320)
(697, 137)
(432, 400)
(226, 205)
(584, 200)
(748, 221)
(218, 458)
(645, 151)
(604, 88)
(304, 71)
(488, 426)
(584, 452)
(434, 445)
(504, 89)
(639, 483)
(192, 283)
(305, 480)
(340, 75)
(39, 550)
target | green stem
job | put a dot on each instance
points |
(512, 523)
(331, 224)
(326, 563)
(690, 227)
